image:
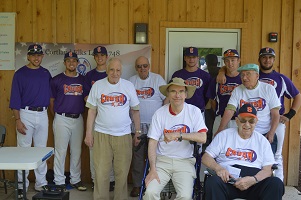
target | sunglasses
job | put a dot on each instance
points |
(251, 121)
(35, 50)
(143, 65)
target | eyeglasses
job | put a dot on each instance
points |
(251, 121)
(143, 65)
(173, 92)
(35, 50)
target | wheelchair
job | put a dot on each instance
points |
(169, 189)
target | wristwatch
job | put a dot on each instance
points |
(180, 138)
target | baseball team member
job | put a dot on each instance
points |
(30, 95)
(67, 102)
(194, 76)
(284, 88)
(100, 56)
(219, 94)
(147, 88)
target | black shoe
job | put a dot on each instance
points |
(20, 193)
(79, 186)
(61, 188)
(112, 186)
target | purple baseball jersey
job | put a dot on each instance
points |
(30, 87)
(68, 93)
(201, 80)
(222, 92)
(283, 85)
(91, 77)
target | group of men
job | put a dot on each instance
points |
(172, 116)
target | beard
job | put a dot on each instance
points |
(265, 67)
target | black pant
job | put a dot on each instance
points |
(271, 188)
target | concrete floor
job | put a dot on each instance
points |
(291, 193)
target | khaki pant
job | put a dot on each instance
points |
(180, 171)
(108, 148)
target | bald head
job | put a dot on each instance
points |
(114, 70)
(142, 67)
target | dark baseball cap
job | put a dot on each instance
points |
(100, 49)
(34, 49)
(70, 55)
(267, 51)
(231, 53)
(247, 110)
(191, 51)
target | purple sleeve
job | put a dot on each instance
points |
(291, 91)
(15, 97)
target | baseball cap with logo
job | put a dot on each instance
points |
(180, 82)
(70, 55)
(247, 110)
(267, 51)
(191, 51)
(231, 53)
(34, 49)
(249, 67)
(100, 49)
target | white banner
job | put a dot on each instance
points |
(54, 56)
(7, 41)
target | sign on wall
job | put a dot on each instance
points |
(7, 41)
(54, 56)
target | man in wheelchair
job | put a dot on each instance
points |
(170, 152)
(241, 160)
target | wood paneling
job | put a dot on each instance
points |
(215, 11)
(294, 135)
(176, 10)
(100, 21)
(196, 11)
(253, 17)
(63, 20)
(234, 11)
(285, 62)
(119, 24)
(112, 22)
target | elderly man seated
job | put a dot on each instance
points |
(244, 157)
(170, 152)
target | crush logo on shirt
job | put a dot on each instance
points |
(145, 92)
(241, 154)
(182, 128)
(269, 81)
(194, 81)
(114, 99)
(226, 89)
(73, 89)
(257, 102)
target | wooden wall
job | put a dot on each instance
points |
(112, 22)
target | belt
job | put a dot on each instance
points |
(38, 109)
(74, 116)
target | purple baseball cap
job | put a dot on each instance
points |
(191, 51)
(100, 49)
(34, 49)
(70, 55)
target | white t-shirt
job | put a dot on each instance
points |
(189, 120)
(151, 99)
(113, 103)
(228, 148)
(264, 98)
